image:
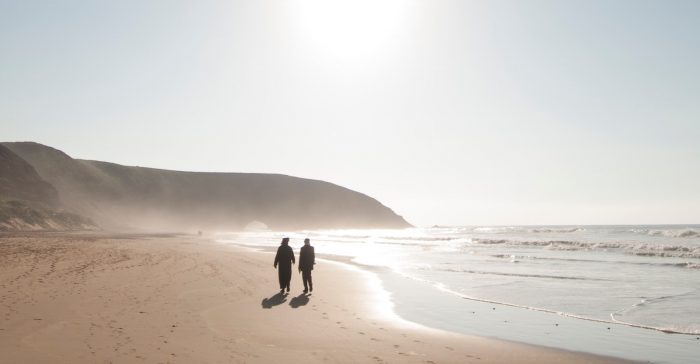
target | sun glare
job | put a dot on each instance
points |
(353, 31)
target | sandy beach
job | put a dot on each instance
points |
(118, 298)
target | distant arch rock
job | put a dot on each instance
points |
(256, 226)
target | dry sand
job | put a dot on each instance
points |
(98, 298)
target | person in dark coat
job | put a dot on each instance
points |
(307, 259)
(285, 259)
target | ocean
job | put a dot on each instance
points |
(624, 291)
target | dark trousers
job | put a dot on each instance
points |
(285, 276)
(306, 277)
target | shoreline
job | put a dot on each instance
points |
(379, 273)
(459, 313)
(106, 297)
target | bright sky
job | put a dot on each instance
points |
(449, 112)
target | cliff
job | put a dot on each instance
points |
(118, 196)
(27, 202)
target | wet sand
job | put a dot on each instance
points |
(100, 298)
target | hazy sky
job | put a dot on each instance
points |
(449, 112)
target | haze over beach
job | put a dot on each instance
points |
(482, 181)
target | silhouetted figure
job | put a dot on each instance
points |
(307, 259)
(285, 259)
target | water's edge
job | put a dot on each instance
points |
(401, 290)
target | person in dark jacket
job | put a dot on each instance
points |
(307, 259)
(285, 259)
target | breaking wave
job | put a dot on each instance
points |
(516, 258)
(522, 229)
(640, 249)
(666, 233)
(422, 238)
(547, 230)
(470, 271)
(681, 233)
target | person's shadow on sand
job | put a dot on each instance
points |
(276, 299)
(300, 300)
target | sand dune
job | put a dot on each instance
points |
(85, 298)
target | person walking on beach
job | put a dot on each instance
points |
(285, 259)
(307, 259)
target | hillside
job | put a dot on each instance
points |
(27, 202)
(19, 180)
(18, 215)
(117, 196)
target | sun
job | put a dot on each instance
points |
(355, 30)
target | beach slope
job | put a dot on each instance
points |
(99, 298)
